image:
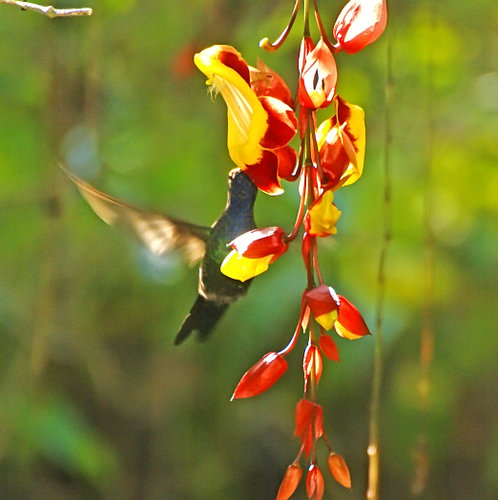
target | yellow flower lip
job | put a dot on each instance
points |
(323, 215)
(242, 268)
(247, 119)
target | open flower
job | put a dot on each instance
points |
(318, 75)
(260, 124)
(322, 216)
(332, 310)
(341, 144)
(360, 23)
(253, 252)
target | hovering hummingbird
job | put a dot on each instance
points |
(163, 234)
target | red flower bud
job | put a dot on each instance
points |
(339, 469)
(290, 482)
(315, 485)
(261, 376)
(360, 23)
(318, 77)
(312, 364)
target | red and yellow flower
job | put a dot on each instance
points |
(260, 121)
(253, 252)
(341, 144)
(322, 216)
(332, 310)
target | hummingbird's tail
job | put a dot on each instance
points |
(202, 317)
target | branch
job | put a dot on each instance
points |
(49, 11)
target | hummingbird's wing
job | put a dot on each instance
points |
(161, 234)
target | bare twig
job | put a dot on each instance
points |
(49, 11)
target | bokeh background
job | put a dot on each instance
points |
(96, 402)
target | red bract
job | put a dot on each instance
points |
(322, 300)
(260, 243)
(309, 423)
(304, 415)
(318, 77)
(360, 23)
(290, 482)
(261, 376)
(339, 469)
(328, 347)
(315, 485)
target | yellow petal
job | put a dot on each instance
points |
(324, 216)
(247, 119)
(241, 268)
(343, 332)
(327, 320)
(354, 142)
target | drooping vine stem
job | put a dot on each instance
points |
(373, 445)
(419, 483)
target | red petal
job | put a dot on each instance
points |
(328, 347)
(231, 58)
(305, 48)
(306, 247)
(350, 318)
(333, 158)
(286, 162)
(260, 242)
(290, 482)
(265, 173)
(322, 300)
(304, 415)
(282, 123)
(315, 485)
(318, 421)
(261, 376)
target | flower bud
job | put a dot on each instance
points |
(339, 469)
(261, 376)
(360, 23)
(315, 485)
(290, 482)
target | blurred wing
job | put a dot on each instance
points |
(159, 233)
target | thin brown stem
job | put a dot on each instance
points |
(288, 348)
(321, 28)
(48, 10)
(272, 47)
(373, 446)
(300, 213)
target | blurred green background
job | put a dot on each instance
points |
(96, 402)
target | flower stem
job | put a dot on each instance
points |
(272, 47)
(373, 445)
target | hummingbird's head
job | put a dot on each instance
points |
(240, 186)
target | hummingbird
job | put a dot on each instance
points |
(162, 234)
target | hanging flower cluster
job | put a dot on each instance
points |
(262, 120)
